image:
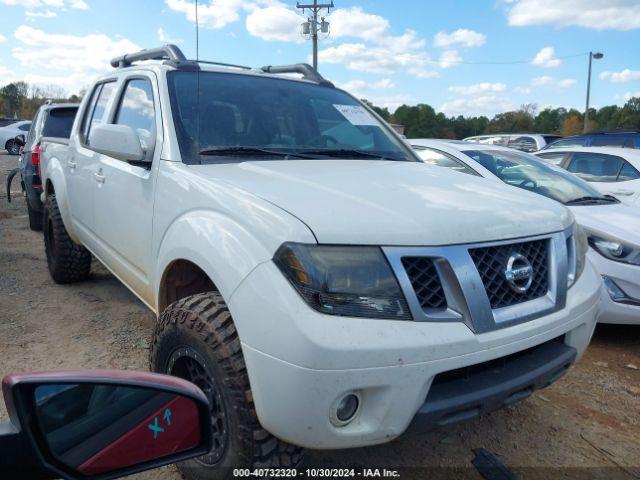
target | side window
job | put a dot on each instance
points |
(525, 144)
(568, 142)
(609, 141)
(434, 157)
(97, 108)
(25, 127)
(628, 172)
(596, 167)
(553, 158)
(136, 110)
(34, 126)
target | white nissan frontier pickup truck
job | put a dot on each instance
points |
(323, 286)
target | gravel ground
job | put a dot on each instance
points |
(586, 425)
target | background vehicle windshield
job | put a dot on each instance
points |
(60, 122)
(237, 111)
(527, 172)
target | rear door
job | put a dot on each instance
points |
(124, 198)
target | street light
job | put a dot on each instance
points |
(597, 56)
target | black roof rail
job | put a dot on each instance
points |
(168, 52)
(307, 71)
(221, 64)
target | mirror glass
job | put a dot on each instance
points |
(97, 428)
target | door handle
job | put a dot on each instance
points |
(71, 164)
(99, 177)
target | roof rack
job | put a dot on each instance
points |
(168, 52)
(307, 71)
(172, 55)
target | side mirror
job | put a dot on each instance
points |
(103, 424)
(20, 140)
(117, 141)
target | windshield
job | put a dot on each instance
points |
(525, 171)
(249, 116)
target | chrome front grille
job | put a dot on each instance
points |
(491, 263)
(486, 286)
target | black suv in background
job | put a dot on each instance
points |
(52, 120)
(611, 138)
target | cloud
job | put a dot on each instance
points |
(44, 14)
(487, 105)
(546, 58)
(276, 22)
(546, 80)
(363, 58)
(2, 38)
(598, 15)
(364, 86)
(214, 15)
(72, 59)
(629, 95)
(623, 76)
(522, 90)
(31, 4)
(462, 37)
(477, 88)
(449, 58)
(163, 37)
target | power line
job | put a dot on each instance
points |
(512, 62)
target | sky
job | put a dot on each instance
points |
(473, 57)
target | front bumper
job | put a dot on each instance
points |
(301, 363)
(627, 278)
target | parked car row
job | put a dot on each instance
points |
(321, 284)
(8, 134)
(613, 229)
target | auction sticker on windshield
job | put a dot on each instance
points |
(356, 114)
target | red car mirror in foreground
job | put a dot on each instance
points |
(99, 424)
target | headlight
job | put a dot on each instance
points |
(615, 249)
(342, 280)
(577, 246)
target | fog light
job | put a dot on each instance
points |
(615, 292)
(347, 408)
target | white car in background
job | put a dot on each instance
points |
(10, 132)
(611, 170)
(526, 142)
(613, 229)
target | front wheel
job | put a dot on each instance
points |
(196, 339)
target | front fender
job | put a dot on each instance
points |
(225, 250)
(54, 181)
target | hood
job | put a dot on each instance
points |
(618, 220)
(393, 203)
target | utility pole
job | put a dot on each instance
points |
(597, 56)
(312, 27)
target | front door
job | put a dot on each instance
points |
(124, 196)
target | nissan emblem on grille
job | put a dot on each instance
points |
(518, 273)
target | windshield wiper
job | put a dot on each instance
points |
(250, 151)
(589, 199)
(346, 153)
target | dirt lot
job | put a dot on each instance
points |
(586, 425)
